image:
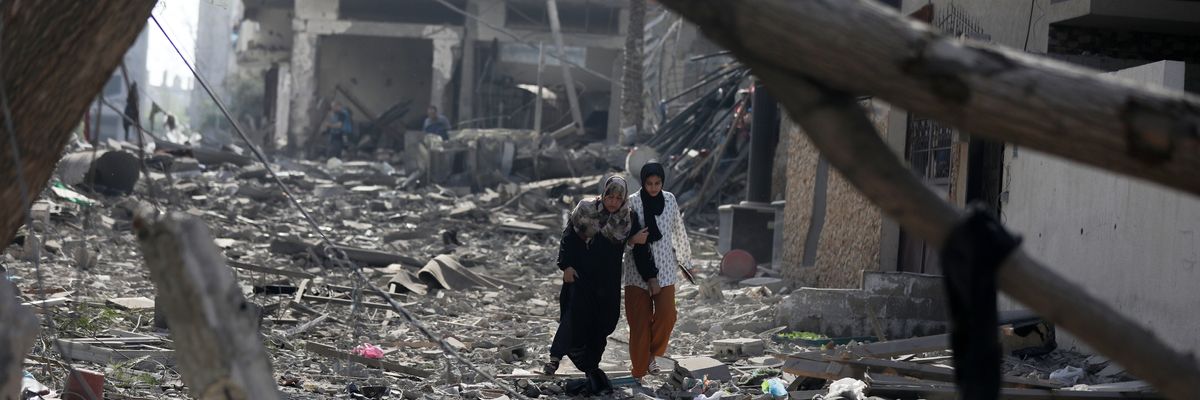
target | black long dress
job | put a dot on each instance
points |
(593, 304)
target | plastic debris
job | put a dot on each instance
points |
(1068, 375)
(775, 387)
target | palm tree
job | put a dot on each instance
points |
(631, 80)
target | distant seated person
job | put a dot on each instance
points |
(436, 123)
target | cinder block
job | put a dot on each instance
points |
(732, 349)
(700, 367)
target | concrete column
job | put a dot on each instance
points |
(283, 94)
(303, 88)
(466, 80)
(614, 103)
(443, 68)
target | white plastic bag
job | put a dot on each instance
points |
(1068, 375)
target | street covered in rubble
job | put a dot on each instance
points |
(510, 199)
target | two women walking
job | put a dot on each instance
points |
(592, 256)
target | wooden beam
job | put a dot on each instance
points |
(331, 352)
(302, 295)
(16, 339)
(925, 371)
(892, 348)
(814, 367)
(992, 91)
(215, 329)
(269, 270)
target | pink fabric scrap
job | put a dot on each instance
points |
(369, 351)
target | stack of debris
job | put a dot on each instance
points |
(920, 368)
(706, 144)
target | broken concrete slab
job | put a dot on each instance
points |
(775, 284)
(700, 367)
(132, 303)
(524, 227)
(732, 349)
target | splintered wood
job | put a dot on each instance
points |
(219, 350)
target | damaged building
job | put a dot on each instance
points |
(480, 72)
(1132, 243)
(423, 264)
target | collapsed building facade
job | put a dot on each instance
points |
(311, 52)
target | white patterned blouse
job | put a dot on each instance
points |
(669, 253)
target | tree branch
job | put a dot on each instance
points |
(999, 93)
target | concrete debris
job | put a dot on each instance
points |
(732, 349)
(774, 284)
(702, 367)
(471, 256)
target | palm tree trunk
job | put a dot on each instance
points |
(55, 56)
(631, 80)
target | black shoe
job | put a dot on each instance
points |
(551, 366)
(598, 383)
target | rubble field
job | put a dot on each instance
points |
(476, 268)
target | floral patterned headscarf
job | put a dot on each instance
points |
(590, 217)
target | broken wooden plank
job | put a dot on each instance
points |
(215, 329)
(302, 295)
(815, 368)
(924, 371)
(306, 326)
(348, 302)
(374, 258)
(269, 270)
(16, 339)
(331, 352)
(303, 308)
(46, 302)
(892, 348)
(131, 303)
(112, 353)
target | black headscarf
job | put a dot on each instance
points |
(652, 206)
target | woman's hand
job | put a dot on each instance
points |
(569, 275)
(654, 287)
(640, 237)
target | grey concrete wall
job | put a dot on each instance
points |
(901, 305)
(376, 70)
(1132, 244)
